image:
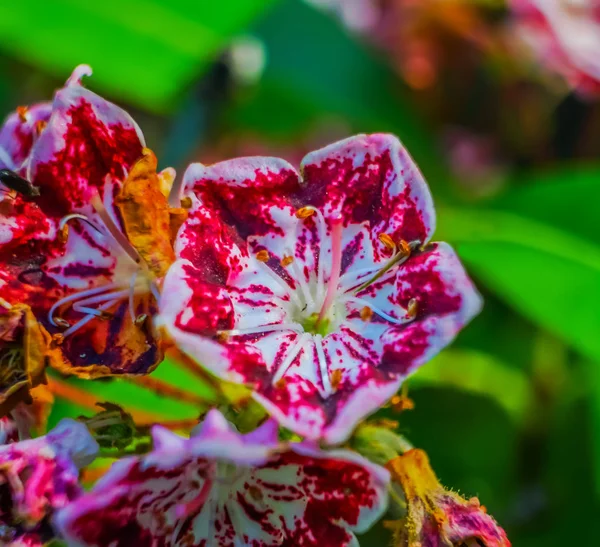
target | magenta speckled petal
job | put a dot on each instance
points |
(311, 289)
(20, 131)
(88, 146)
(42, 476)
(65, 252)
(182, 495)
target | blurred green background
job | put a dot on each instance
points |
(511, 412)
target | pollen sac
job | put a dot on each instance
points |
(262, 256)
(387, 241)
(305, 212)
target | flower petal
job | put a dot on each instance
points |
(446, 301)
(179, 494)
(88, 143)
(42, 476)
(19, 132)
(371, 177)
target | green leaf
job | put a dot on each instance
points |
(478, 373)
(548, 275)
(565, 196)
(143, 51)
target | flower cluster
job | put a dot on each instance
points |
(318, 290)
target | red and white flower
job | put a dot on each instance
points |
(223, 488)
(565, 37)
(38, 477)
(319, 290)
(66, 248)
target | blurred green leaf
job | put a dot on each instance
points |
(471, 441)
(316, 69)
(565, 196)
(144, 51)
(478, 373)
(546, 274)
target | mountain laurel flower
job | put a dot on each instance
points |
(565, 36)
(223, 488)
(318, 290)
(39, 476)
(85, 231)
(436, 516)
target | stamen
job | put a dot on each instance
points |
(304, 288)
(40, 125)
(87, 319)
(67, 218)
(262, 256)
(413, 308)
(336, 378)
(154, 290)
(286, 261)
(76, 296)
(402, 256)
(303, 213)
(175, 200)
(387, 241)
(281, 282)
(5, 304)
(114, 230)
(90, 311)
(290, 357)
(296, 327)
(104, 297)
(336, 267)
(22, 113)
(366, 314)
(327, 389)
(375, 309)
(132, 282)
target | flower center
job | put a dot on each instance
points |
(97, 302)
(318, 308)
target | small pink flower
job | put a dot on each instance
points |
(223, 488)
(565, 37)
(39, 476)
(65, 248)
(320, 290)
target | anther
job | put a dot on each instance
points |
(336, 378)
(262, 256)
(255, 493)
(305, 212)
(222, 336)
(286, 261)
(58, 339)
(366, 314)
(413, 308)
(40, 125)
(62, 322)
(406, 247)
(281, 383)
(22, 113)
(387, 241)
(141, 319)
(186, 202)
